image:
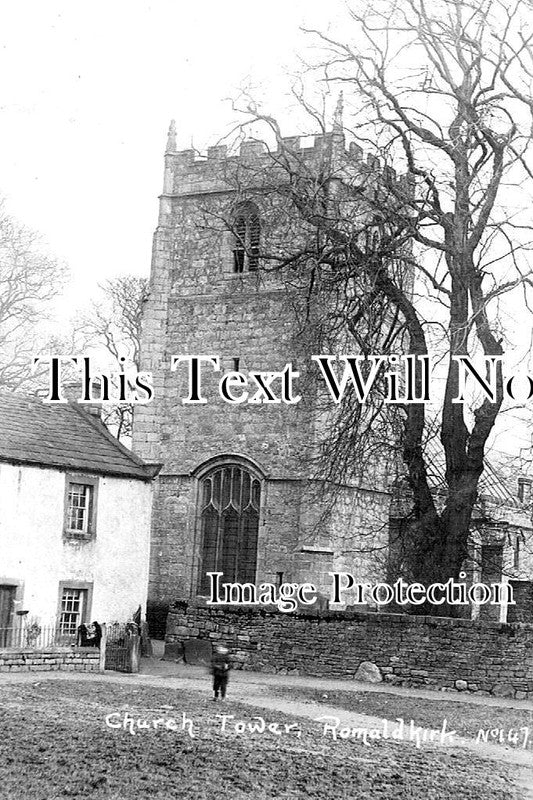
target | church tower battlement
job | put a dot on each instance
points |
(188, 173)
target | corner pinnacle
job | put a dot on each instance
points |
(171, 140)
(337, 116)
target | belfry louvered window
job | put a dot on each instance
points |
(229, 500)
(247, 233)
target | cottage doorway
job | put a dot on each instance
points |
(7, 604)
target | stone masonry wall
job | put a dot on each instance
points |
(437, 652)
(283, 537)
(85, 659)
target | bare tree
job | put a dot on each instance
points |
(441, 90)
(29, 281)
(114, 323)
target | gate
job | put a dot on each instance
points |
(122, 647)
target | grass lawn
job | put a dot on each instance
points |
(464, 717)
(55, 744)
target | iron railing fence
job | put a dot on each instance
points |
(36, 636)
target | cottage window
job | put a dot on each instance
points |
(73, 609)
(80, 507)
(247, 235)
(229, 512)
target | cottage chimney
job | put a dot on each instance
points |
(73, 392)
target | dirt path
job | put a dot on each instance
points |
(252, 689)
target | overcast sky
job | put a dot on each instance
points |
(88, 90)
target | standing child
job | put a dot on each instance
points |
(220, 667)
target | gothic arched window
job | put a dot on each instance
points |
(247, 233)
(229, 513)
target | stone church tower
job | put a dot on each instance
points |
(235, 492)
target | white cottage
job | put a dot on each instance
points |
(75, 518)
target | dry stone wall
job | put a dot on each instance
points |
(437, 652)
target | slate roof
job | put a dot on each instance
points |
(65, 436)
